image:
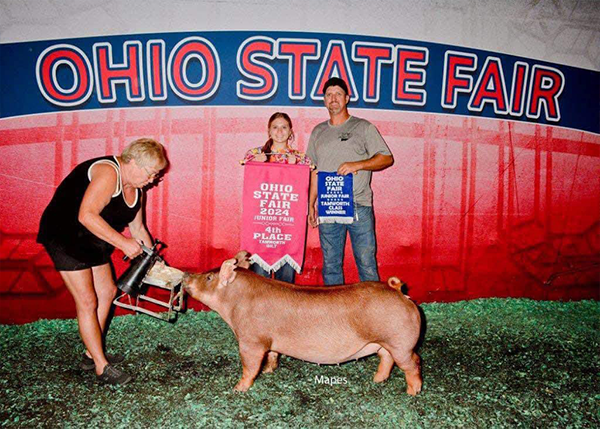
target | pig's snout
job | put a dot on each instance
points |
(186, 280)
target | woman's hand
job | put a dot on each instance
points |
(131, 248)
(312, 217)
(291, 159)
(261, 157)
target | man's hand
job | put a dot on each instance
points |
(349, 168)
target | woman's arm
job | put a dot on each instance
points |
(97, 196)
(312, 199)
(138, 230)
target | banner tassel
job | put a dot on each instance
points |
(256, 259)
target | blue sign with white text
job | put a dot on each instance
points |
(335, 200)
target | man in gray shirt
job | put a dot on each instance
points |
(347, 145)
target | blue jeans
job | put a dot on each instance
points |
(362, 237)
(285, 274)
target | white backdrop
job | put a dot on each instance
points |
(564, 32)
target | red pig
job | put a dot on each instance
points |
(324, 325)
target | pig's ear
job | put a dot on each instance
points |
(242, 259)
(227, 273)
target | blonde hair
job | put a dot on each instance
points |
(145, 151)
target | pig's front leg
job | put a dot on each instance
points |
(252, 356)
(272, 362)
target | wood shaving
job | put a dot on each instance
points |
(160, 271)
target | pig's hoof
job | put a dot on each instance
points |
(413, 390)
(380, 378)
(240, 387)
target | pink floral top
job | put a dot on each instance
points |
(279, 157)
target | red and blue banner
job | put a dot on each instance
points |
(289, 69)
(274, 214)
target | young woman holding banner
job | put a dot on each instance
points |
(278, 150)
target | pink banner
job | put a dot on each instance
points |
(274, 214)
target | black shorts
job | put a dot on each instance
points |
(65, 262)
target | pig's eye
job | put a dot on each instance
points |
(209, 277)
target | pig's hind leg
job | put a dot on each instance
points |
(410, 363)
(272, 362)
(386, 364)
(252, 356)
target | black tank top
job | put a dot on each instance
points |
(59, 224)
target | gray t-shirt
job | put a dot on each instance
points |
(355, 140)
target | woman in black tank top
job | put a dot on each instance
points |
(80, 229)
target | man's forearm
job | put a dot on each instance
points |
(376, 163)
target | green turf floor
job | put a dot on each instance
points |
(486, 363)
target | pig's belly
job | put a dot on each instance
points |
(331, 352)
